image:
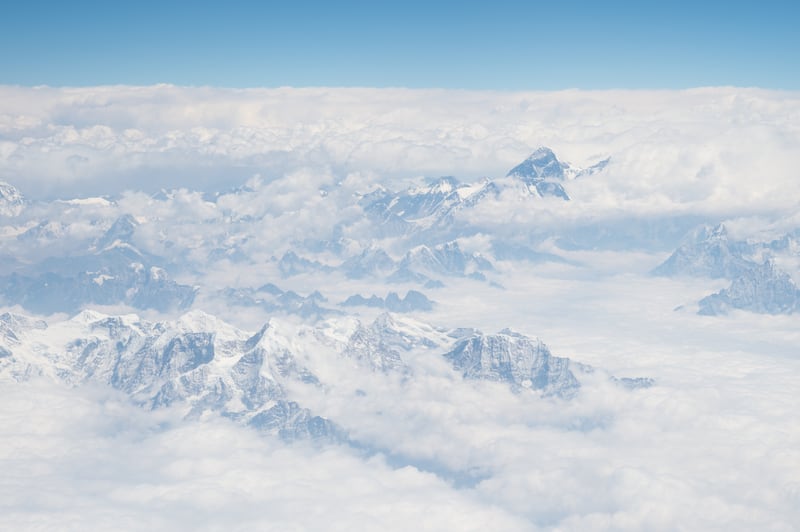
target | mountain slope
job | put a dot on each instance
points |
(708, 252)
(515, 359)
(763, 289)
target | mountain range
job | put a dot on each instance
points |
(203, 366)
(757, 284)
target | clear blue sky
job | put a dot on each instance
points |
(472, 45)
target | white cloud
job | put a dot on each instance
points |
(88, 460)
(713, 445)
(706, 149)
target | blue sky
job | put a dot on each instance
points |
(471, 45)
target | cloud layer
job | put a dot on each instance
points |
(719, 147)
(88, 460)
(712, 446)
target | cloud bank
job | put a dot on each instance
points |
(88, 460)
(713, 445)
(718, 147)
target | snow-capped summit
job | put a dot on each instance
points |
(762, 289)
(708, 251)
(11, 201)
(121, 231)
(431, 206)
(542, 173)
(443, 185)
(371, 261)
(541, 164)
(516, 359)
(197, 364)
(445, 259)
(379, 345)
(12, 326)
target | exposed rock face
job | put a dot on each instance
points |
(196, 363)
(201, 366)
(291, 264)
(370, 262)
(708, 252)
(120, 232)
(11, 201)
(271, 298)
(762, 289)
(127, 281)
(516, 359)
(446, 260)
(542, 173)
(413, 301)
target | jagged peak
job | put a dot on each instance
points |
(11, 201)
(197, 320)
(425, 250)
(376, 191)
(540, 152)
(452, 245)
(126, 220)
(709, 232)
(255, 339)
(384, 320)
(17, 322)
(540, 164)
(719, 231)
(440, 185)
(508, 333)
(88, 316)
(9, 192)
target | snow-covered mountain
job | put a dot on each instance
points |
(444, 260)
(370, 262)
(136, 285)
(544, 174)
(120, 233)
(197, 363)
(271, 298)
(708, 252)
(203, 366)
(516, 359)
(152, 252)
(436, 204)
(291, 264)
(11, 201)
(110, 274)
(763, 289)
(429, 207)
(413, 301)
(757, 283)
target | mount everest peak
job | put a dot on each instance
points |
(543, 173)
(541, 164)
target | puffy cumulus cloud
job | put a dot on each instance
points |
(290, 193)
(667, 458)
(711, 149)
(712, 446)
(87, 460)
